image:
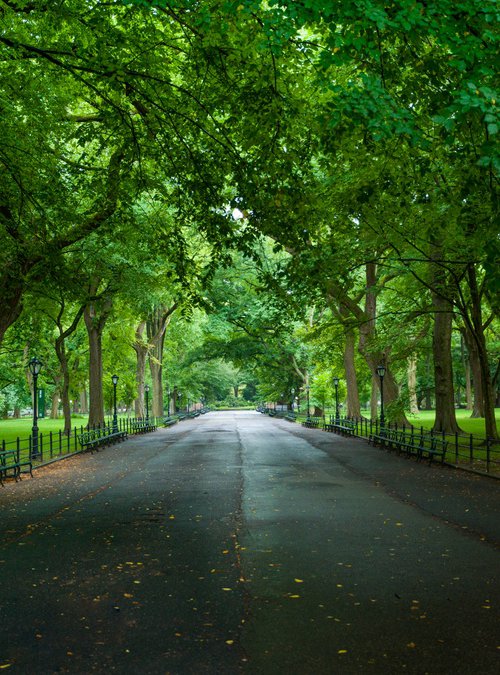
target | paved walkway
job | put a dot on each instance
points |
(236, 543)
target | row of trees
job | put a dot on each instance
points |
(146, 143)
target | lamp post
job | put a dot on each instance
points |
(307, 394)
(35, 366)
(381, 373)
(114, 380)
(292, 391)
(336, 385)
(146, 389)
(168, 401)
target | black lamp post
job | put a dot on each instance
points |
(114, 380)
(336, 385)
(168, 401)
(292, 391)
(307, 394)
(381, 373)
(35, 366)
(146, 389)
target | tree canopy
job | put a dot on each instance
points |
(313, 185)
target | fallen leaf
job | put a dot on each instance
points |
(299, 581)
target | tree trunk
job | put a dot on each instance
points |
(141, 350)
(353, 405)
(480, 340)
(60, 347)
(412, 384)
(373, 357)
(374, 398)
(475, 368)
(10, 300)
(54, 409)
(156, 330)
(96, 408)
(443, 371)
(96, 314)
(467, 375)
(83, 401)
(428, 388)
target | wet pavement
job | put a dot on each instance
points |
(237, 543)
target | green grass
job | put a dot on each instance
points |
(10, 428)
(474, 426)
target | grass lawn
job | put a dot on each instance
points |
(10, 428)
(468, 425)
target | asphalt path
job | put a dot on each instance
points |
(237, 543)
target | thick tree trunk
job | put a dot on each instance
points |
(60, 347)
(467, 374)
(96, 408)
(353, 405)
(428, 388)
(54, 408)
(375, 357)
(10, 300)
(374, 397)
(84, 408)
(156, 370)
(412, 384)
(480, 341)
(141, 350)
(95, 315)
(443, 370)
(477, 377)
(156, 330)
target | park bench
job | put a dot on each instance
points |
(438, 449)
(421, 446)
(312, 422)
(381, 437)
(93, 439)
(291, 416)
(142, 426)
(11, 464)
(272, 413)
(181, 416)
(427, 447)
(170, 421)
(344, 427)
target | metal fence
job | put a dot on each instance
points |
(464, 450)
(55, 445)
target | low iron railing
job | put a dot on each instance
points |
(464, 450)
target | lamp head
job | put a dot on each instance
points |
(114, 379)
(381, 370)
(35, 365)
(336, 381)
(146, 388)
